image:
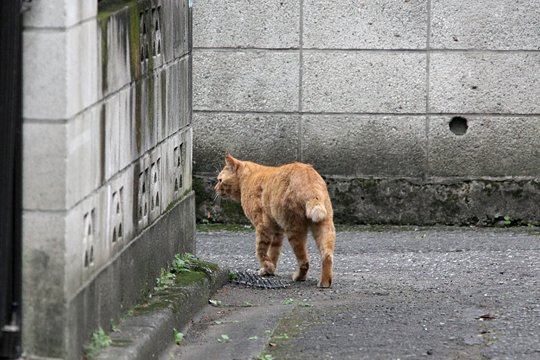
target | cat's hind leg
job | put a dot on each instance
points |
(325, 237)
(298, 241)
(264, 239)
(275, 248)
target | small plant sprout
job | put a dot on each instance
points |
(303, 303)
(224, 339)
(288, 301)
(232, 276)
(164, 281)
(253, 338)
(266, 357)
(283, 336)
(182, 263)
(507, 220)
(178, 337)
(100, 341)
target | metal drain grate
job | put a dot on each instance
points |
(252, 279)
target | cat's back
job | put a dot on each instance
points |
(296, 181)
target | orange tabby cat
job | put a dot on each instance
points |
(288, 199)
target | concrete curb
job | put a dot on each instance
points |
(145, 335)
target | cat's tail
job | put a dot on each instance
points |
(315, 210)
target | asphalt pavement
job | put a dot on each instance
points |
(398, 293)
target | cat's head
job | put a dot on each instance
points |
(228, 184)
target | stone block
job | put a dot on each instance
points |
(269, 139)
(111, 136)
(351, 24)
(245, 80)
(364, 82)
(367, 145)
(175, 97)
(84, 155)
(155, 179)
(145, 125)
(58, 13)
(244, 23)
(142, 176)
(61, 71)
(45, 78)
(485, 24)
(177, 155)
(116, 50)
(44, 166)
(83, 67)
(43, 306)
(88, 246)
(484, 83)
(491, 146)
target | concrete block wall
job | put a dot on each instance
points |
(367, 91)
(107, 162)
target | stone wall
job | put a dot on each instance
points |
(436, 102)
(107, 162)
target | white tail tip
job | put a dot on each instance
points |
(316, 213)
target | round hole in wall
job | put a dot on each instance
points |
(458, 125)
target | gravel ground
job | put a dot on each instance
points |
(398, 293)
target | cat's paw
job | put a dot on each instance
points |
(299, 276)
(325, 283)
(267, 269)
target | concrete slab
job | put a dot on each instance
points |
(383, 145)
(364, 82)
(265, 137)
(484, 82)
(349, 24)
(486, 24)
(245, 80)
(243, 23)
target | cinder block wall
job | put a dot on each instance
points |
(366, 92)
(107, 162)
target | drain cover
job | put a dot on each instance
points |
(252, 279)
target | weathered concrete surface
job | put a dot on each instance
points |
(122, 284)
(348, 24)
(404, 201)
(383, 145)
(484, 83)
(221, 81)
(398, 293)
(148, 329)
(107, 161)
(492, 146)
(265, 136)
(510, 25)
(364, 82)
(243, 23)
(371, 88)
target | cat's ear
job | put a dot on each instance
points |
(232, 163)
